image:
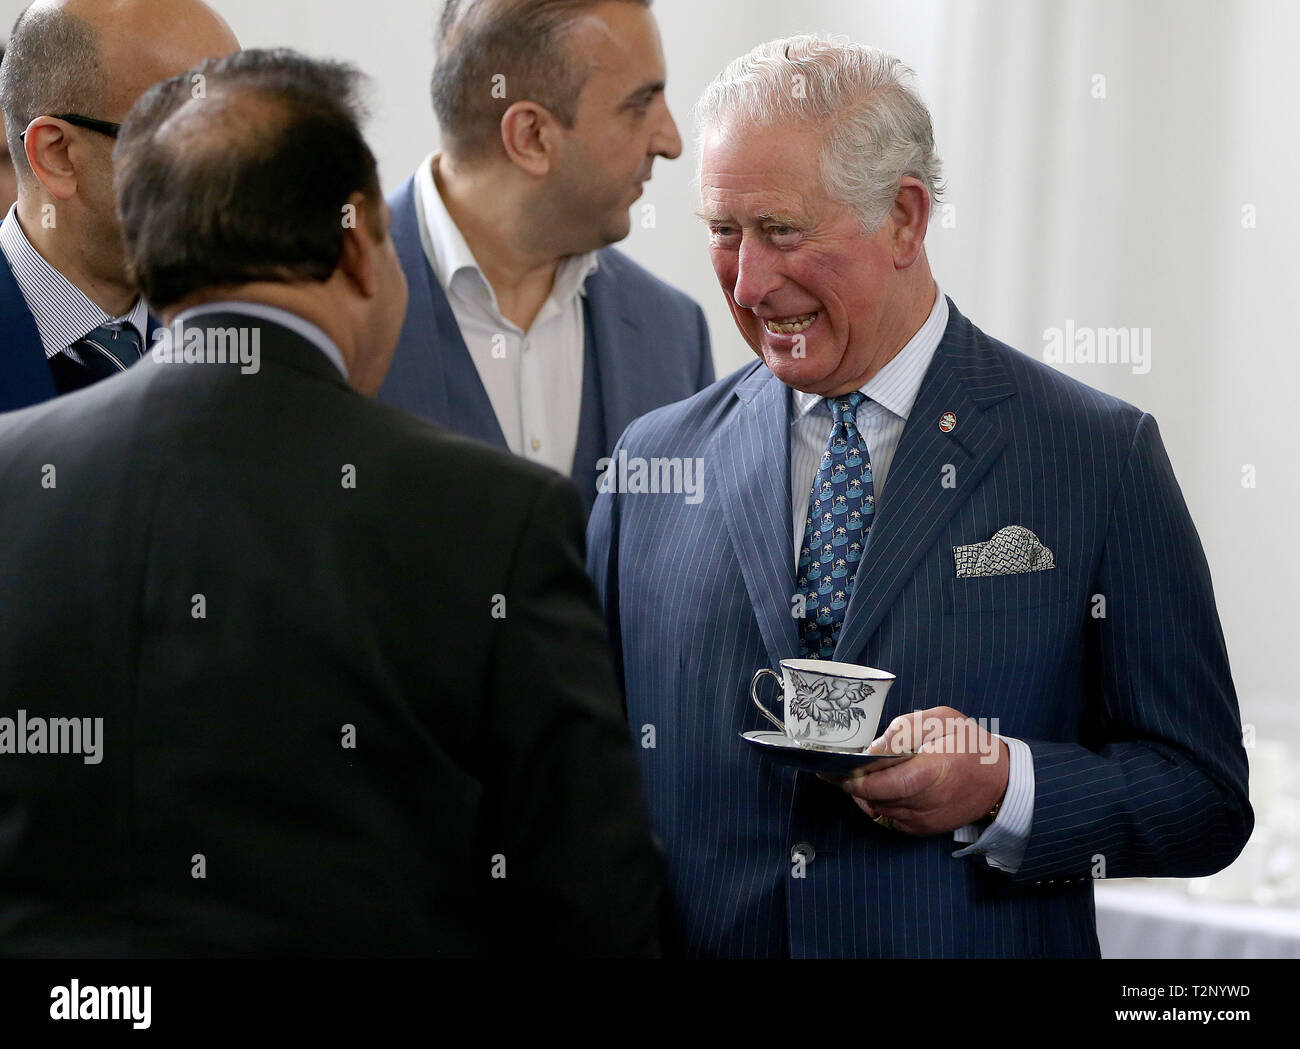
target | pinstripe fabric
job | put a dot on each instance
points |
(62, 312)
(1131, 720)
(880, 420)
(1003, 842)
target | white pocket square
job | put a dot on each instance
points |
(1012, 550)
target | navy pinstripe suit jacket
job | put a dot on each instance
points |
(1132, 718)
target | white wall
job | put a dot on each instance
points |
(1122, 211)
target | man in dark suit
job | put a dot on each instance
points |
(524, 328)
(69, 315)
(1029, 572)
(344, 681)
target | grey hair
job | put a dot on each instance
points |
(877, 129)
(52, 65)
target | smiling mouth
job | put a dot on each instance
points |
(790, 325)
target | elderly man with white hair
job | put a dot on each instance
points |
(888, 486)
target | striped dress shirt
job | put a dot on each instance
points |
(880, 419)
(63, 313)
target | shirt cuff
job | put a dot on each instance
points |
(1003, 842)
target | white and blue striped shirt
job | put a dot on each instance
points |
(63, 313)
(880, 419)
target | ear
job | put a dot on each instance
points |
(529, 134)
(48, 146)
(909, 219)
(359, 261)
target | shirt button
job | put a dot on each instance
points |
(805, 850)
(536, 445)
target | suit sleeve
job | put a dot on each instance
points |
(706, 376)
(1157, 787)
(581, 869)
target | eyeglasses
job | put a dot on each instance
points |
(104, 127)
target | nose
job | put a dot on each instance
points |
(756, 277)
(667, 142)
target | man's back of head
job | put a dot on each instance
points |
(248, 178)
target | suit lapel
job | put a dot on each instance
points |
(621, 363)
(469, 409)
(593, 438)
(23, 369)
(437, 373)
(916, 505)
(751, 456)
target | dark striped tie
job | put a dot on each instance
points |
(109, 349)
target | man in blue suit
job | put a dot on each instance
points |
(889, 486)
(69, 311)
(524, 329)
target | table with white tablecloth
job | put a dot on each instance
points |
(1138, 919)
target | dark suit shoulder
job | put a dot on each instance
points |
(696, 418)
(1043, 389)
(164, 406)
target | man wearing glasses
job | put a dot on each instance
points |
(69, 311)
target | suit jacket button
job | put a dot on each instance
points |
(805, 850)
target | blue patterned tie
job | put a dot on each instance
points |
(840, 509)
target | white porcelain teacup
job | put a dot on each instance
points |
(828, 704)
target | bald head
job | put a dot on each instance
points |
(144, 41)
(96, 57)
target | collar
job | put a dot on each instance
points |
(450, 255)
(298, 325)
(896, 385)
(63, 312)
